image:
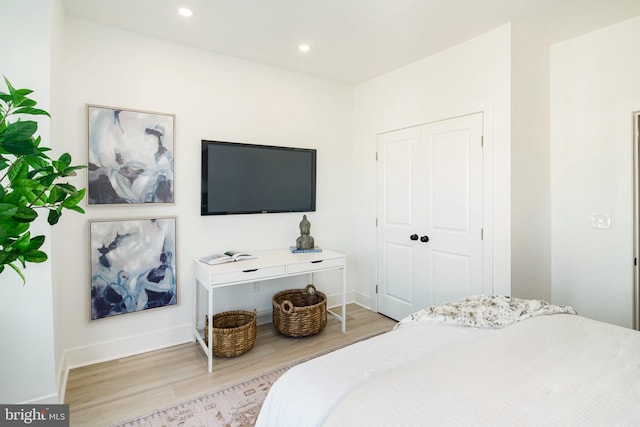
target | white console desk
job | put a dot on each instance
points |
(267, 266)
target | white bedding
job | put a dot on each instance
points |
(485, 311)
(546, 370)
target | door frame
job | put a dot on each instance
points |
(486, 111)
(636, 219)
(626, 127)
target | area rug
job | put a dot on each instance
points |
(234, 406)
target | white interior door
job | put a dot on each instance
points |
(429, 215)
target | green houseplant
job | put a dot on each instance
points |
(30, 181)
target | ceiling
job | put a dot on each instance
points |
(351, 40)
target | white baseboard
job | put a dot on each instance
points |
(50, 399)
(364, 300)
(335, 300)
(127, 346)
(263, 317)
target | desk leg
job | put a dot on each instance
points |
(344, 299)
(196, 289)
(210, 330)
(343, 315)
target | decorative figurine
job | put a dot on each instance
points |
(305, 241)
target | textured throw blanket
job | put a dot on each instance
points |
(485, 311)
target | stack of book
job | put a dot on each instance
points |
(295, 250)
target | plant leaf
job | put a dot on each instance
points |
(8, 210)
(54, 216)
(65, 158)
(26, 103)
(71, 170)
(67, 188)
(19, 96)
(35, 256)
(25, 183)
(38, 163)
(73, 200)
(77, 208)
(25, 214)
(31, 110)
(19, 170)
(35, 243)
(14, 228)
(23, 242)
(9, 87)
(55, 195)
(17, 138)
(47, 180)
(7, 257)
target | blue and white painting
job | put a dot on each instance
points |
(133, 265)
(130, 156)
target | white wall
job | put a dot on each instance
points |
(473, 76)
(595, 85)
(27, 373)
(213, 97)
(530, 166)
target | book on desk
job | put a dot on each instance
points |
(228, 256)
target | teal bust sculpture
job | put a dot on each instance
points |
(304, 241)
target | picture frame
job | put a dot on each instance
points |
(130, 156)
(133, 265)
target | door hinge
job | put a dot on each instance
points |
(376, 222)
(376, 156)
(635, 262)
(376, 289)
(482, 234)
(482, 141)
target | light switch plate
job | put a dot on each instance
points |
(601, 220)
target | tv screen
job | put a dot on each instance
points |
(247, 178)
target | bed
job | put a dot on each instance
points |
(484, 360)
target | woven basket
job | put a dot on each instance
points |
(299, 312)
(234, 332)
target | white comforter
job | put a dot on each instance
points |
(547, 370)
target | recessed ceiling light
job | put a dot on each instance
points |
(185, 12)
(304, 48)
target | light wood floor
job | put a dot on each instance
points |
(109, 392)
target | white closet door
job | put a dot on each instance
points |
(429, 215)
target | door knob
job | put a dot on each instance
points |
(424, 239)
(414, 237)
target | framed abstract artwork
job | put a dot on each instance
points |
(130, 156)
(133, 265)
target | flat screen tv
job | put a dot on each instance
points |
(247, 178)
